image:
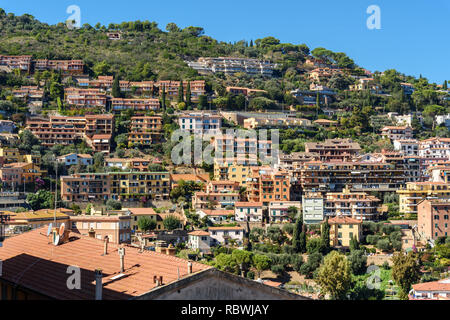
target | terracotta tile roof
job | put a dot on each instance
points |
(344, 220)
(218, 212)
(248, 204)
(31, 262)
(198, 233)
(142, 211)
(441, 285)
(225, 228)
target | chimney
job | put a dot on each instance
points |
(122, 258)
(98, 284)
(105, 247)
(189, 267)
(160, 280)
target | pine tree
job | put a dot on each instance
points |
(188, 94)
(180, 92)
(116, 88)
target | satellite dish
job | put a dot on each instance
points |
(56, 239)
(61, 229)
(49, 230)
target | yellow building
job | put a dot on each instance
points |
(39, 218)
(132, 186)
(9, 155)
(137, 213)
(415, 192)
(232, 171)
(343, 229)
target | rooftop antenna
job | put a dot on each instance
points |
(56, 192)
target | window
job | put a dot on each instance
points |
(204, 238)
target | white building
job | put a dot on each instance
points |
(223, 234)
(397, 132)
(312, 206)
(74, 158)
(216, 216)
(200, 240)
(201, 123)
(278, 210)
(248, 211)
(7, 126)
(435, 148)
(408, 147)
(443, 119)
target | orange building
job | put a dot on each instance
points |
(145, 130)
(266, 184)
(433, 218)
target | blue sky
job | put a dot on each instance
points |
(414, 35)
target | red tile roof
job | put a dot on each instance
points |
(31, 262)
(441, 285)
(344, 220)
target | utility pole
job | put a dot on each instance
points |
(56, 193)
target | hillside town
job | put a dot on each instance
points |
(339, 166)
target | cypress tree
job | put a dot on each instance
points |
(116, 88)
(188, 94)
(163, 97)
(445, 87)
(180, 92)
(299, 235)
(325, 235)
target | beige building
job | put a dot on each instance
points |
(343, 229)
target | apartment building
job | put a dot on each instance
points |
(358, 205)
(66, 66)
(64, 130)
(231, 171)
(131, 164)
(231, 65)
(408, 147)
(223, 235)
(435, 148)
(248, 211)
(295, 160)
(145, 130)
(200, 123)
(15, 174)
(222, 186)
(30, 94)
(85, 98)
(397, 132)
(279, 210)
(9, 155)
(172, 88)
(415, 192)
(205, 200)
(120, 104)
(266, 185)
(116, 227)
(313, 207)
(318, 176)
(100, 143)
(243, 149)
(143, 87)
(433, 218)
(138, 213)
(343, 230)
(334, 149)
(102, 82)
(123, 186)
(22, 63)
